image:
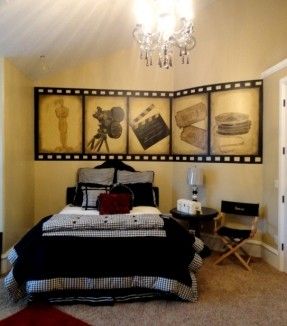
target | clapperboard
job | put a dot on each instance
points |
(151, 130)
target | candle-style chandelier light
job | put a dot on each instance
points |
(162, 26)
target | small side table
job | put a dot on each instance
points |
(195, 221)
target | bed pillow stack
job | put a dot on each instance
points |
(94, 182)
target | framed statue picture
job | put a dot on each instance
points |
(60, 124)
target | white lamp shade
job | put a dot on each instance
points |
(194, 176)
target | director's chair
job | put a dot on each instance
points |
(235, 234)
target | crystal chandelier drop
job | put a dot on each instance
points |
(164, 25)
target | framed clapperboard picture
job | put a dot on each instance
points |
(149, 124)
(219, 123)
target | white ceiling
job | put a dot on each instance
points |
(67, 32)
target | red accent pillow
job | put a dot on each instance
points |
(114, 203)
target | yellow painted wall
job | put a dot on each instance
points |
(18, 162)
(121, 70)
(236, 40)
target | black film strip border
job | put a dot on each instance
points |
(140, 93)
(102, 92)
(245, 159)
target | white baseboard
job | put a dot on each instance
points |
(254, 248)
(270, 255)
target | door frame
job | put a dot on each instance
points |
(282, 176)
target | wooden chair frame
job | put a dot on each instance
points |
(233, 246)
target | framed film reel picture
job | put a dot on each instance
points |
(235, 122)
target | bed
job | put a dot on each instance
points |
(80, 255)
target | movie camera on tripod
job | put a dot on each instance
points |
(109, 125)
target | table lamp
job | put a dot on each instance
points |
(195, 179)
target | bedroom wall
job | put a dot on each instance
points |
(18, 155)
(122, 70)
(235, 41)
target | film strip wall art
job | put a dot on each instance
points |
(220, 123)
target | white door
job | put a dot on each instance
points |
(282, 174)
(284, 107)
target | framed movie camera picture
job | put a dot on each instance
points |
(105, 125)
(219, 123)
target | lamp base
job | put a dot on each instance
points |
(194, 193)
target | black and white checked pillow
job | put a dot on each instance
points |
(135, 177)
(98, 176)
(90, 196)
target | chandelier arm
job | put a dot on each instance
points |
(189, 45)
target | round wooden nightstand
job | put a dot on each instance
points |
(195, 221)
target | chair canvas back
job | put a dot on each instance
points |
(246, 209)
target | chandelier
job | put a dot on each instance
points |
(162, 26)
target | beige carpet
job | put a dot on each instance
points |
(228, 295)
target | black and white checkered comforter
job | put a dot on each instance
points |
(80, 258)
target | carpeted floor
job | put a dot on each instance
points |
(228, 295)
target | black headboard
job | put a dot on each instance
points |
(116, 164)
